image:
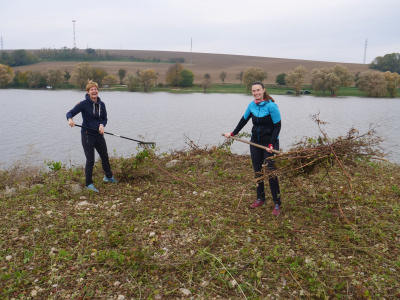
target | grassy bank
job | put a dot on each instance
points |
(232, 88)
(186, 230)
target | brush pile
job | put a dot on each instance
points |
(310, 155)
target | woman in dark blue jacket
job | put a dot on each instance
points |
(94, 115)
(266, 120)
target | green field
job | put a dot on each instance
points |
(232, 88)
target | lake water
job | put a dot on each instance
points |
(34, 122)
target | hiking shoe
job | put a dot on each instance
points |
(277, 210)
(112, 179)
(258, 203)
(91, 187)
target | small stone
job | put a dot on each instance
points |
(10, 192)
(186, 292)
(172, 163)
(9, 257)
(76, 188)
(204, 283)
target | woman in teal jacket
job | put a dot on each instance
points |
(266, 120)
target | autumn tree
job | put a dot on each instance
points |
(295, 79)
(121, 75)
(98, 74)
(253, 74)
(240, 76)
(346, 77)
(324, 79)
(6, 75)
(173, 75)
(372, 83)
(132, 81)
(147, 79)
(187, 77)
(21, 79)
(206, 83)
(109, 80)
(36, 79)
(392, 82)
(81, 74)
(54, 78)
(222, 75)
(331, 78)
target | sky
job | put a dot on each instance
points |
(323, 30)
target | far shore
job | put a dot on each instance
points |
(198, 63)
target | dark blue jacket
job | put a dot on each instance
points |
(266, 122)
(93, 114)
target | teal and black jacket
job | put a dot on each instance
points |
(266, 122)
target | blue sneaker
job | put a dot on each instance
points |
(112, 179)
(91, 187)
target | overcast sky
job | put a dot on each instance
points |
(325, 30)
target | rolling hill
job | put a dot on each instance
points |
(198, 63)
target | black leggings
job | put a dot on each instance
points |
(259, 157)
(89, 143)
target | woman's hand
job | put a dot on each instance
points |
(101, 129)
(227, 135)
(270, 148)
(71, 122)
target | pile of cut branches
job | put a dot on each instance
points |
(310, 155)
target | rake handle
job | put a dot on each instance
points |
(253, 144)
(124, 137)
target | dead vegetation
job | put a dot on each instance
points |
(179, 226)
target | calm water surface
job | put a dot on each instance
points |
(34, 122)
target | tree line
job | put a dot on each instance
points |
(23, 57)
(329, 79)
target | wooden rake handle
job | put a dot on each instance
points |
(253, 144)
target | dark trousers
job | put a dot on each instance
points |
(89, 144)
(259, 157)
